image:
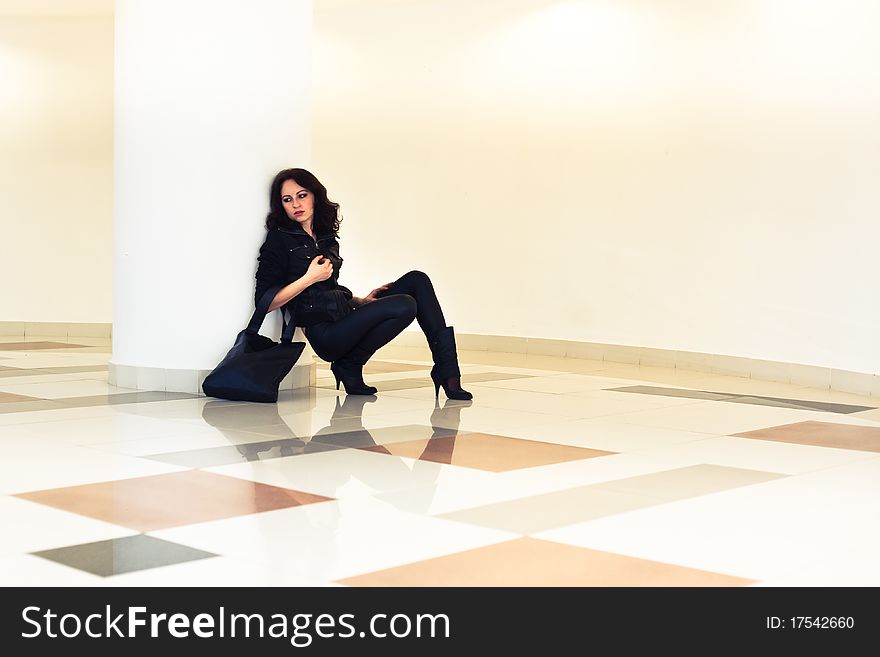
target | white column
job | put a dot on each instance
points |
(211, 100)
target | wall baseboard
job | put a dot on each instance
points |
(859, 383)
(57, 329)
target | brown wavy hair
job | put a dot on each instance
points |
(326, 219)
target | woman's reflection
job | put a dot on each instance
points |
(316, 549)
(345, 429)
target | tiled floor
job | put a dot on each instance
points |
(561, 472)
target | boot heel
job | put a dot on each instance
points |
(446, 371)
(458, 394)
(437, 383)
(352, 380)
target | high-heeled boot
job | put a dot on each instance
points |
(350, 371)
(446, 372)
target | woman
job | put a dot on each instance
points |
(300, 259)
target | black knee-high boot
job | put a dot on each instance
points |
(446, 372)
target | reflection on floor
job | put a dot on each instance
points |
(561, 472)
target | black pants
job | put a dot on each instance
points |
(373, 325)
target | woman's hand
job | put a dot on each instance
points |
(372, 295)
(319, 272)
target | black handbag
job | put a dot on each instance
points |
(253, 369)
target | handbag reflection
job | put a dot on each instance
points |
(253, 369)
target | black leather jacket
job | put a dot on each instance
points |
(285, 256)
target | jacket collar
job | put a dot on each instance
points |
(296, 229)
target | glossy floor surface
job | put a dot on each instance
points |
(561, 472)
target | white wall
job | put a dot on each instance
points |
(681, 174)
(56, 168)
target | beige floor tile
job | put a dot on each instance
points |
(381, 367)
(692, 481)
(566, 507)
(487, 452)
(184, 498)
(537, 513)
(822, 434)
(39, 344)
(530, 562)
(8, 397)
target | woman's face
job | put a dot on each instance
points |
(298, 202)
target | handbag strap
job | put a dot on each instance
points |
(262, 309)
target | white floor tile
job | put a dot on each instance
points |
(51, 464)
(606, 434)
(61, 390)
(324, 542)
(817, 526)
(571, 474)
(787, 458)
(29, 527)
(94, 430)
(178, 443)
(719, 418)
(556, 384)
(210, 572)
(755, 531)
(351, 473)
(55, 415)
(179, 410)
(55, 378)
(595, 404)
(39, 359)
(852, 567)
(30, 571)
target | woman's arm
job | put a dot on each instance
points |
(272, 265)
(289, 291)
(320, 269)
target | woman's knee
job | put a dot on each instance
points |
(404, 306)
(319, 345)
(418, 278)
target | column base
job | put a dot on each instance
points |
(303, 375)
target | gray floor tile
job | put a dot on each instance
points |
(673, 392)
(754, 400)
(123, 555)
